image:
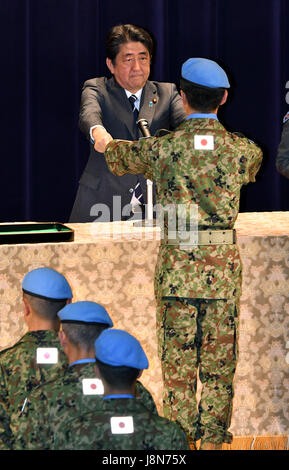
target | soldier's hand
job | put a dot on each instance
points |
(101, 139)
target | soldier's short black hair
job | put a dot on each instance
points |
(120, 377)
(83, 335)
(203, 99)
(124, 33)
(45, 308)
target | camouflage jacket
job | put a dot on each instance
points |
(20, 374)
(95, 430)
(53, 404)
(185, 174)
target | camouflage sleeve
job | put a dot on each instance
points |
(251, 160)
(132, 157)
(179, 438)
(167, 435)
(144, 396)
(282, 159)
(33, 430)
(5, 430)
(6, 436)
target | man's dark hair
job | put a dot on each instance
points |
(44, 308)
(124, 33)
(120, 377)
(203, 99)
(83, 334)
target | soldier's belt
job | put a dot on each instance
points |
(199, 237)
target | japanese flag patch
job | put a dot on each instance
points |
(92, 387)
(204, 142)
(46, 355)
(122, 425)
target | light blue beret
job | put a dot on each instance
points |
(119, 348)
(47, 283)
(205, 72)
(84, 312)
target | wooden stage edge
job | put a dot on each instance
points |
(256, 443)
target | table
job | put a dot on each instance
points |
(113, 264)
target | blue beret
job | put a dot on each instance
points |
(205, 72)
(119, 348)
(47, 283)
(84, 312)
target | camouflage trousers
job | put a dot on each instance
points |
(197, 339)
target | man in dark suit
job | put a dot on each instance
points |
(282, 159)
(107, 109)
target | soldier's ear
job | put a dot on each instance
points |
(139, 374)
(26, 306)
(224, 99)
(186, 105)
(184, 98)
(97, 373)
(62, 338)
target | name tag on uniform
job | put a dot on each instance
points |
(92, 387)
(46, 355)
(122, 425)
(204, 142)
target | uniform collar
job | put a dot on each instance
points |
(82, 361)
(202, 115)
(124, 395)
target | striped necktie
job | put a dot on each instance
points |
(137, 190)
(132, 99)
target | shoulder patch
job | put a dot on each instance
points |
(46, 355)
(204, 142)
(92, 387)
(286, 117)
(122, 425)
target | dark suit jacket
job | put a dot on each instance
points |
(282, 159)
(104, 102)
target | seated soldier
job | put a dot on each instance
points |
(77, 390)
(37, 356)
(122, 422)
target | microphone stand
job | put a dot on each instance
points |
(149, 221)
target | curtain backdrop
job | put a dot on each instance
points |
(50, 47)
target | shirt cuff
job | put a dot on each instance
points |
(90, 132)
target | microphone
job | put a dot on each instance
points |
(144, 128)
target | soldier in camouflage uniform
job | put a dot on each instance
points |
(77, 391)
(29, 363)
(197, 287)
(122, 422)
(282, 160)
